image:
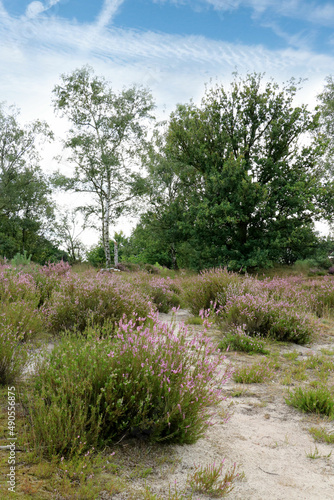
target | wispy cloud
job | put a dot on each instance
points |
(36, 8)
(110, 8)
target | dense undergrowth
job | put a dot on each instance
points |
(117, 372)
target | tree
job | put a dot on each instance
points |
(326, 107)
(69, 237)
(26, 208)
(106, 144)
(247, 165)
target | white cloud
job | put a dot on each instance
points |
(110, 8)
(34, 9)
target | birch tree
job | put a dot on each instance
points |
(106, 144)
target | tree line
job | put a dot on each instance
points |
(238, 180)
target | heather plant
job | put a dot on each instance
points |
(318, 400)
(19, 299)
(210, 481)
(261, 314)
(146, 382)
(202, 290)
(163, 291)
(13, 354)
(79, 299)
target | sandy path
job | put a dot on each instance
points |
(267, 438)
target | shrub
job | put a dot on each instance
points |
(319, 400)
(146, 382)
(13, 354)
(209, 480)
(79, 299)
(238, 340)
(202, 290)
(263, 315)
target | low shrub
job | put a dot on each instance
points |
(238, 340)
(78, 300)
(319, 400)
(261, 314)
(146, 382)
(13, 354)
(210, 481)
(201, 291)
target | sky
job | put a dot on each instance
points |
(174, 47)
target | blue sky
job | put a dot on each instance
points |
(172, 46)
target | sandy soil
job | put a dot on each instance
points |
(266, 437)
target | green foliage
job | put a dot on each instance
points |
(233, 184)
(321, 435)
(21, 259)
(26, 208)
(107, 137)
(209, 480)
(319, 400)
(257, 373)
(200, 292)
(239, 341)
(13, 353)
(142, 383)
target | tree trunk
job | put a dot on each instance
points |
(106, 242)
(115, 254)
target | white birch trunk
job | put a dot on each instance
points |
(115, 254)
(106, 233)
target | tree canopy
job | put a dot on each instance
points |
(26, 207)
(106, 144)
(246, 166)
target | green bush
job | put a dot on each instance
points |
(238, 341)
(13, 354)
(261, 314)
(201, 291)
(146, 383)
(319, 400)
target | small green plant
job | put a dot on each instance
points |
(21, 259)
(319, 400)
(194, 320)
(291, 356)
(210, 481)
(239, 341)
(256, 373)
(314, 454)
(321, 435)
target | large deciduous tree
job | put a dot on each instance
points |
(26, 208)
(105, 144)
(247, 167)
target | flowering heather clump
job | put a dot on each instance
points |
(163, 291)
(79, 299)
(269, 317)
(49, 277)
(145, 382)
(19, 299)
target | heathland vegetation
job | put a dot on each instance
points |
(117, 374)
(228, 193)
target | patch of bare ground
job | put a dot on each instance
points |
(268, 439)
